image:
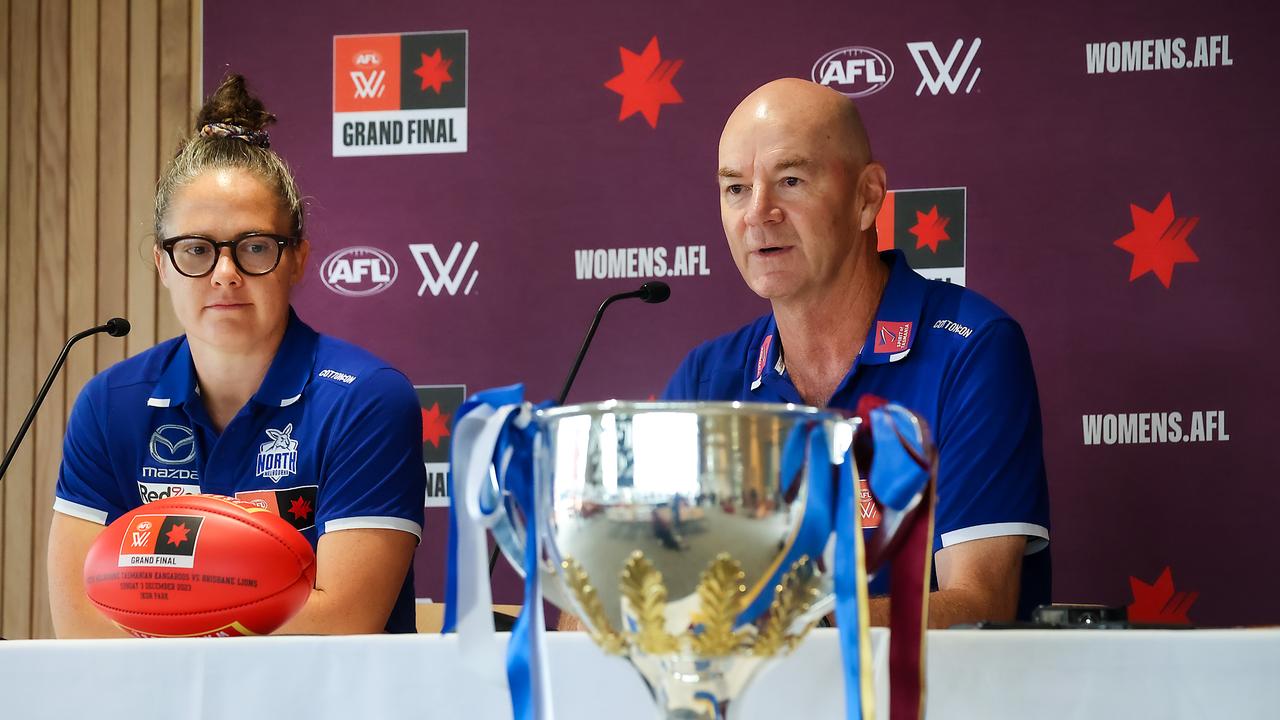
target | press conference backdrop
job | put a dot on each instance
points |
(482, 174)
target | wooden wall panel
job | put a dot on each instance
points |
(144, 31)
(24, 96)
(113, 168)
(94, 96)
(5, 431)
(51, 268)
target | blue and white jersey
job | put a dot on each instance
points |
(332, 440)
(958, 361)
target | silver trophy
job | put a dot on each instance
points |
(661, 524)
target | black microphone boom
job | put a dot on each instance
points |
(115, 327)
(654, 291)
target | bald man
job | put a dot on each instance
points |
(799, 194)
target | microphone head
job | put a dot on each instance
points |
(117, 327)
(655, 291)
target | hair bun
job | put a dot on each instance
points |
(231, 104)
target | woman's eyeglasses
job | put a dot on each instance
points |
(253, 253)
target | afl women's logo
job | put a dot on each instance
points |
(854, 71)
(359, 271)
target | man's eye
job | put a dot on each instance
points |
(196, 250)
(256, 247)
(791, 181)
(735, 189)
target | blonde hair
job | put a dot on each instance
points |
(230, 132)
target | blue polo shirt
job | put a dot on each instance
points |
(958, 361)
(332, 440)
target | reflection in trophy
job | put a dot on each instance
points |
(689, 537)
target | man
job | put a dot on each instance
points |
(799, 194)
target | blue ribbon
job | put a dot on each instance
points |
(896, 476)
(495, 397)
(846, 585)
(513, 458)
(815, 524)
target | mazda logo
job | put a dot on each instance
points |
(173, 445)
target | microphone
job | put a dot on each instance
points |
(654, 291)
(115, 327)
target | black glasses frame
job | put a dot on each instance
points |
(282, 241)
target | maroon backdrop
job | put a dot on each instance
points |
(1065, 131)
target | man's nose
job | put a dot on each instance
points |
(763, 208)
(225, 271)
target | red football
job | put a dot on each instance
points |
(199, 566)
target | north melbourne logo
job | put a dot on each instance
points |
(854, 71)
(446, 274)
(278, 457)
(172, 445)
(359, 271)
(937, 74)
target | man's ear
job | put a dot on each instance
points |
(872, 186)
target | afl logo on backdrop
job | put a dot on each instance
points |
(854, 71)
(359, 271)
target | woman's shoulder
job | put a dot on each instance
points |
(141, 370)
(346, 364)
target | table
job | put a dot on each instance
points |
(972, 674)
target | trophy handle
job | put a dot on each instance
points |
(511, 533)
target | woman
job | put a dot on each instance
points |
(250, 402)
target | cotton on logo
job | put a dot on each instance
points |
(445, 274)
(936, 73)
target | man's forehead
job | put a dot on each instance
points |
(768, 151)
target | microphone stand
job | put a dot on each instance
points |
(112, 327)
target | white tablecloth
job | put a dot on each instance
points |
(972, 674)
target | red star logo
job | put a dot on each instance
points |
(177, 534)
(1158, 241)
(645, 83)
(1159, 602)
(434, 71)
(435, 425)
(299, 508)
(930, 229)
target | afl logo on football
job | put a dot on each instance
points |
(359, 271)
(173, 445)
(854, 71)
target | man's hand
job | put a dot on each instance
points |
(977, 580)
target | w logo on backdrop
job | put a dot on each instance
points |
(445, 274)
(369, 85)
(936, 73)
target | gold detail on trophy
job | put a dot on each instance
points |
(601, 631)
(642, 586)
(720, 591)
(792, 597)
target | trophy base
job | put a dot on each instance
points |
(687, 688)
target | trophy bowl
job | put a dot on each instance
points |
(683, 537)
